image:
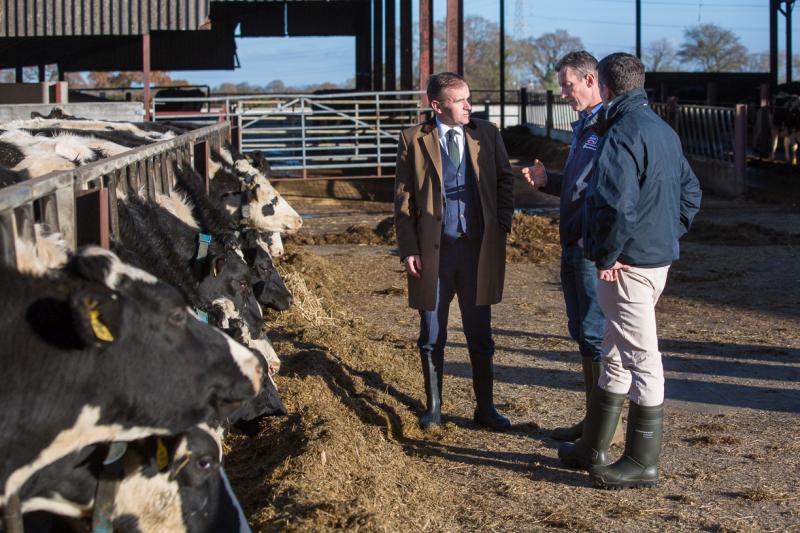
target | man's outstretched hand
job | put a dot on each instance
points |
(535, 175)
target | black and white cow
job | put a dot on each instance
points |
(236, 183)
(267, 283)
(165, 483)
(155, 240)
(786, 125)
(270, 290)
(105, 352)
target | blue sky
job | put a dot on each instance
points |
(604, 25)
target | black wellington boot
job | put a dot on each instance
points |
(591, 371)
(432, 373)
(638, 466)
(483, 384)
(598, 430)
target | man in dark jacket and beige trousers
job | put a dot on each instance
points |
(577, 76)
(453, 209)
(641, 200)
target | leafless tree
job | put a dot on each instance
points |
(660, 56)
(543, 52)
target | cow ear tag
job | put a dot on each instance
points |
(162, 457)
(99, 329)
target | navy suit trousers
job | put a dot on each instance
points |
(458, 275)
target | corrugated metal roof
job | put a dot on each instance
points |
(48, 18)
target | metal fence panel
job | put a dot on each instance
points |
(51, 199)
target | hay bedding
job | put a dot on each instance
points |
(350, 455)
(533, 238)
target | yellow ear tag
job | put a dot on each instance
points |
(214, 270)
(100, 330)
(162, 457)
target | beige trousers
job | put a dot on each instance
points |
(631, 360)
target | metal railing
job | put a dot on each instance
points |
(81, 203)
(705, 131)
(302, 132)
(547, 113)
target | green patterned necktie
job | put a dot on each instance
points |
(452, 148)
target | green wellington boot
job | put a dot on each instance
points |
(590, 375)
(598, 430)
(638, 466)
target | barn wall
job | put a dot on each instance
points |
(117, 111)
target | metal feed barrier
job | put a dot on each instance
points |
(81, 203)
(302, 132)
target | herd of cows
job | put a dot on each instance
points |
(124, 368)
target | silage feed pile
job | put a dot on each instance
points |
(340, 458)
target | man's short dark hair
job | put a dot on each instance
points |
(579, 60)
(621, 72)
(441, 81)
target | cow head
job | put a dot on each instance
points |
(168, 483)
(150, 318)
(177, 484)
(268, 286)
(227, 278)
(265, 210)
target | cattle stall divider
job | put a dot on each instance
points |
(81, 204)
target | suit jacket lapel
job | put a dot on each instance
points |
(474, 148)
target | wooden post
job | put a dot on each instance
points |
(425, 46)
(377, 45)
(740, 147)
(774, 7)
(406, 57)
(201, 153)
(789, 59)
(146, 75)
(391, 64)
(8, 253)
(12, 514)
(548, 123)
(503, 64)
(523, 105)
(672, 112)
(92, 217)
(455, 36)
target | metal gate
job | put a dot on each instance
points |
(302, 132)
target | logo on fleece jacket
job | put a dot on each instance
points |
(591, 142)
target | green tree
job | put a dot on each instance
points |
(713, 49)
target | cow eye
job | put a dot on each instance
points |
(177, 317)
(204, 463)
